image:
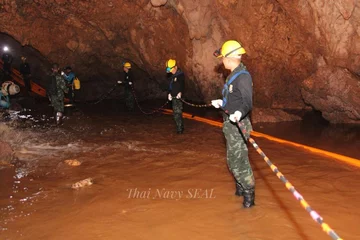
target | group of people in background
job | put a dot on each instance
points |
(6, 84)
(59, 84)
(24, 68)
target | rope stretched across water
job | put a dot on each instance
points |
(104, 96)
(314, 215)
(196, 105)
(141, 110)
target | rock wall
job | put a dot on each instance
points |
(287, 42)
(335, 92)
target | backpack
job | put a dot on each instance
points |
(77, 83)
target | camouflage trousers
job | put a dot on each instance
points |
(237, 153)
(57, 103)
(177, 107)
(129, 100)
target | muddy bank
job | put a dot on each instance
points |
(6, 154)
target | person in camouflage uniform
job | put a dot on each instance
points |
(55, 92)
(237, 104)
(176, 89)
(128, 84)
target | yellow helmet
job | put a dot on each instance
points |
(230, 48)
(127, 65)
(170, 64)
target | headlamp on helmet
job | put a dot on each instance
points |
(231, 49)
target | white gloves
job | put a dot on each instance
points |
(235, 117)
(178, 96)
(217, 103)
(119, 82)
(62, 73)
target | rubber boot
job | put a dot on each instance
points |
(249, 197)
(239, 189)
(58, 118)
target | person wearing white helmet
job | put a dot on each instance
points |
(176, 89)
(237, 104)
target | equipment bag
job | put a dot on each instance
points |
(77, 83)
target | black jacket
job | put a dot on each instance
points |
(128, 77)
(177, 83)
(239, 97)
(7, 58)
(25, 68)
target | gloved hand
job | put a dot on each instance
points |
(235, 117)
(62, 73)
(178, 96)
(217, 103)
(119, 82)
(130, 83)
(169, 97)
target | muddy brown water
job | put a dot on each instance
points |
(150, 183)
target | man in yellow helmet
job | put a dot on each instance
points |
(237, 103)
(176, 88)
(128, 84)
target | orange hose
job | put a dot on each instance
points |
(352, 161)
